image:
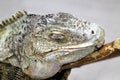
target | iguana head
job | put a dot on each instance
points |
(57, 39)
(41, 44)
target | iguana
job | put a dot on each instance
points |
(41, 44)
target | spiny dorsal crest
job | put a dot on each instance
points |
(14, 18)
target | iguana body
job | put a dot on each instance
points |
(41, 44)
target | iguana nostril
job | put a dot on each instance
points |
(92, 32)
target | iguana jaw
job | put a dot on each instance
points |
(53, 61)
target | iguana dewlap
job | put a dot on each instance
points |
(41, 44)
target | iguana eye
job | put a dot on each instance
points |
(57, 36)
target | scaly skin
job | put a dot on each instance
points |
(9, 72)
(41, 44)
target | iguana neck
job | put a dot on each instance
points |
(11, 37)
